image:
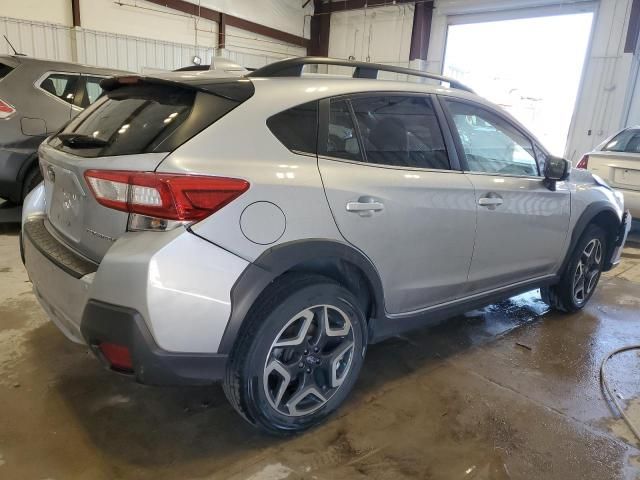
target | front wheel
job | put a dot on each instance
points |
(298, 355)
(579, 280)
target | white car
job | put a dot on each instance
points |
(617, 161)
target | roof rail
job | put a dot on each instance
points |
(292, 67)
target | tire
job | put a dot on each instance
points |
(588, 256)
(285, 373)
(31, 181)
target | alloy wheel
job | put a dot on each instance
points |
(309, 360)
(587, 271)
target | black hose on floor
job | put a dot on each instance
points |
(605, 384)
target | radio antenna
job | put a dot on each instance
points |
(15, 52)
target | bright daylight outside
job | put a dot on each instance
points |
(534, 76)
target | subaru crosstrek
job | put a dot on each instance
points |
(264, 230)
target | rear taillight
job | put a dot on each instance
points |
(6, 110)
(186, 198)
(584, 162)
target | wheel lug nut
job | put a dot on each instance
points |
(306, 352)
(315, 349)
(301, 365)
(308, 370)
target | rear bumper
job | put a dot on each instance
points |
(164, 296)
(102, 322)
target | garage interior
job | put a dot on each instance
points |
(511, 390)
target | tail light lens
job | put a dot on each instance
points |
(171, 197)
(584, 162)
(6, 110)
(118, 356)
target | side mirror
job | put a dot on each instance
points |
(556, 169)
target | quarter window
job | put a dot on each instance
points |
(62, 85)
(625, 141)
(490, 143)
(401, 131)
(297, 128)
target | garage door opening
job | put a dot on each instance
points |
(530, 66)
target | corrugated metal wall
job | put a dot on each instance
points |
(56, 42)
(123, 52)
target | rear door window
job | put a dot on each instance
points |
(61, 85)
(342, 139)
(626, 141)
(400, 131)
(297, 128)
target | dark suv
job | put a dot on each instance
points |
(37, 97)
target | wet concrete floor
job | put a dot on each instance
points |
(509, 391)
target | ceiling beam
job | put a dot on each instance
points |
(266, 31)
(232, 21)
(346, 5)
(189, 8)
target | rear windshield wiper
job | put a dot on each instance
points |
(77, 140)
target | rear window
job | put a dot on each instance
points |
(4, 70)
(625, 141)
(142, 118)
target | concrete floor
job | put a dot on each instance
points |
(506, 392)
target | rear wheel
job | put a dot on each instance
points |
(298, 356)
(579, 280)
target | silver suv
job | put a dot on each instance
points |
(264, 230)
(37, 97)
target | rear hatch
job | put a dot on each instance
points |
(620, 169)
(133, 127)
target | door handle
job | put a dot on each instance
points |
(365, 206)
(490, 200)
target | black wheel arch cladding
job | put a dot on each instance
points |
(593, 212)
(301, 254)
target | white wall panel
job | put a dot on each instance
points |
(140, 19)
(285, 15)
(381, 35)
(36, 39)
(255, 51)
(50, 11)
(134, 53)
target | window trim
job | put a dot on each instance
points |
(323, 131)
(44, 76)
(461, 153)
